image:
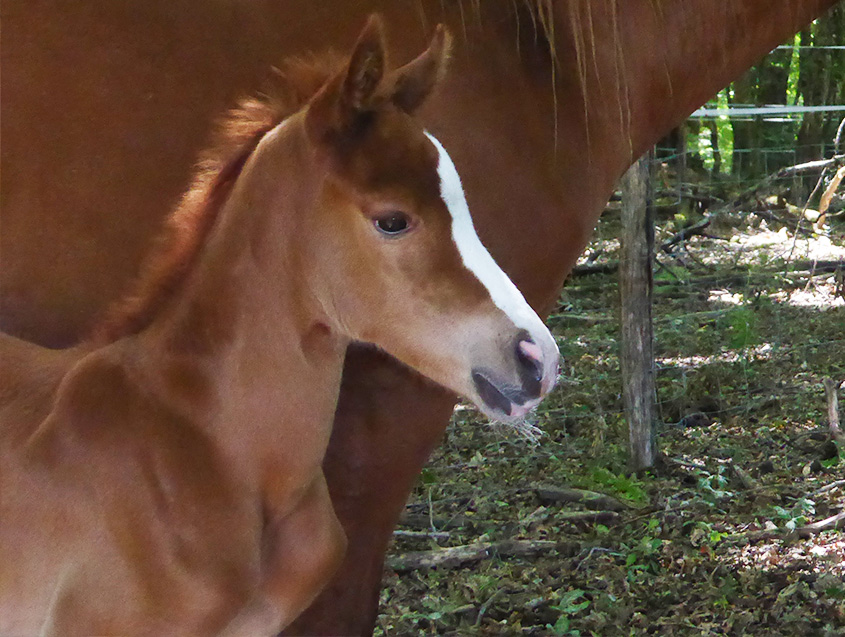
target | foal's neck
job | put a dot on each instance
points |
(244, 349)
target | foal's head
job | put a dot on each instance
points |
(404, 267)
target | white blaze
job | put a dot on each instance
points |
(477, 260)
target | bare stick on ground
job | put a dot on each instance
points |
(457, 556)
(828, 524)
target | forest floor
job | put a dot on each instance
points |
(708, 543)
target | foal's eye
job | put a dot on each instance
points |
(392, 223)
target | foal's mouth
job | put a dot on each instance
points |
(502, 401)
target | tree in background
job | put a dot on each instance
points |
(763, 84)
(821, 80)
(804, 74)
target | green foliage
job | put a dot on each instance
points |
(643, 557)
(726, 133)
(830, 463)
(623, 486)
(567, 607)
(795, 516)
(705, 534)
(792, 96)
(671, 273)
(428, 476)
(742, 327)
(713, 486)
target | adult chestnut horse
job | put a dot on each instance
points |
(76, 177)
(165, 477)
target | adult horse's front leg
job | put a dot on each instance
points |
(388, 421)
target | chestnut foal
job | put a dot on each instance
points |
(165, 477)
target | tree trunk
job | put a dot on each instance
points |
(746, 151)
(714, 144)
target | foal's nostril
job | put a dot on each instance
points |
(530, 359)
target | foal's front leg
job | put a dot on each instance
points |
(300, 554)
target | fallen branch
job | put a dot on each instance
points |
(595, 268)
(457, 556)
(592, 319)
(434, 535)
(590, 499)
(752, 537)
(608, 518)
(684, 233)
(789, 171)
(486, 605)
(801, 533)
(748, 483)
(828, 487)
(806, 167)
(828, 524)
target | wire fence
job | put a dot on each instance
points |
(734, 339)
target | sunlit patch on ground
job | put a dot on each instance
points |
(823, 554)
(823, 296)
(764, 245)
(726, 297)
(758, 352)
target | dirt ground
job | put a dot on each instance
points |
(715, 540)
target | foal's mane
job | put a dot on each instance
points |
(187, 228)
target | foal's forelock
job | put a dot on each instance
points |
(474, 255)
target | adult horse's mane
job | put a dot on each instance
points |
(189, 225)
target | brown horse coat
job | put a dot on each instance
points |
(555, 141)
(164, 478)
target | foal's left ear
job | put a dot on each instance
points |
(366, 68)
(414, 82)
(346, 99)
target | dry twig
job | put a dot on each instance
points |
(457, 556)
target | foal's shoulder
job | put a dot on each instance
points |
(91, 392)
(108, 410)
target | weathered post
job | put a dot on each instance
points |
(831, 387)
(635, 285)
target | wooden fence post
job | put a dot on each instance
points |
(635, 286)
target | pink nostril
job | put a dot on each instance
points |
(531, 350)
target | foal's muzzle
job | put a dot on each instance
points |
(530, 381)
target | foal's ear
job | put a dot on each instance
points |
(339, 106)
(414, 82)
(366, 68)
